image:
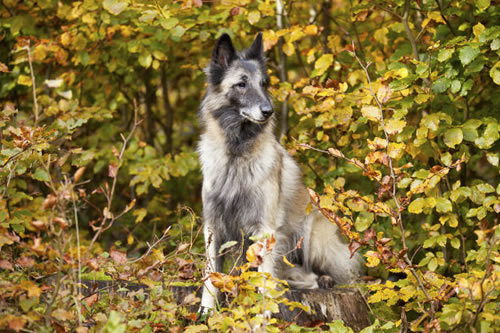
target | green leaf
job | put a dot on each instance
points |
(41, 175)
(363, 221)
(467, 54)
(482, 4)
(27, 303)
(115, 7)
(440, 85)
(492, 158)
(177, 33)
(453, 137)
(227, 245)
(417, 206)
(445, 54)
(495, 44)
(322, 64)
(455, 243)
(145, 60)
(169, 23)
(495, 73)
(485, 188)
(455, 86)
(446, 159)
(443, 205)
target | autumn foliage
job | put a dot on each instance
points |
(390, 107)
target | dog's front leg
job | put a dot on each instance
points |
(267, 266)
(210, 293)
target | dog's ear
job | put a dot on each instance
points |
(256, 50)
(224, 52)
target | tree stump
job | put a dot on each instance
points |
(326, 305)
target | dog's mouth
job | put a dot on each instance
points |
(253, 120)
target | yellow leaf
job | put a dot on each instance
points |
(40, 53)
(130, 239)
(436, 17)
(322, 64)
(402, 72)
(394, 126)
(32, 289)
(477, 29)
(295, 35)
(380, 35)
(373, 259)
(384, 93)
(289, 49)
(253, 17)
(396, 150)
(24, 80)
(311, 29)
(422, 98)
(254, 254)
(269, 39)
(371, 112)
(66, 39)
(288, 262)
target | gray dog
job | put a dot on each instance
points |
(252, 186)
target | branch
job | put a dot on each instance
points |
(33, 84)
(399, 219)
(438, 2)
(484, 296)
(111, 193)
(408, 31)
(151, 247)
(282, 68)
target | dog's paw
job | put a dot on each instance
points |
(326, 282)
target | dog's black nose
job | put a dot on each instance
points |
(267, 110)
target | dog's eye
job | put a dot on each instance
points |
(242, 85)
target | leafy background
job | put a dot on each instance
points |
(391, 108)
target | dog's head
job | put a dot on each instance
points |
(240, 80)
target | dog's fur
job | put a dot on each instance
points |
(251, 185)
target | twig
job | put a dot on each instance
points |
(110, 195)
(32, 82)
(79, 258)
(390, 11)
(484, 295)
(408, 31)
(151, 247)
(438, 2)
(282, 68)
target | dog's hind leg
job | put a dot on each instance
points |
(214, 264)
(329, 252)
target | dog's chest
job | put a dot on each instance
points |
(239, 192)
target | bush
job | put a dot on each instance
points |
(389, 106)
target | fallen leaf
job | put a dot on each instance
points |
(118, 257)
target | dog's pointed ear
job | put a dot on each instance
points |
(256, 50)
(224, 52)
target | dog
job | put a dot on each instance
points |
(252, 186)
